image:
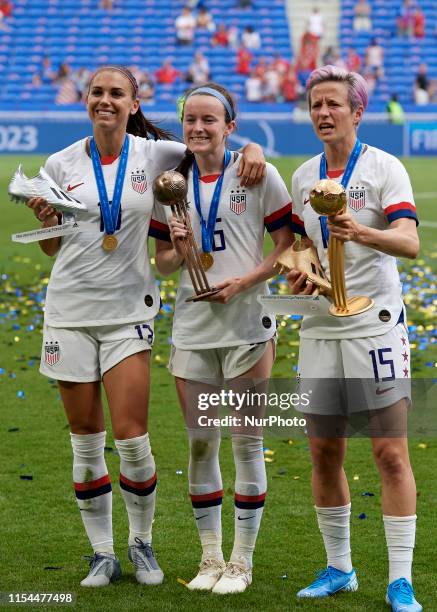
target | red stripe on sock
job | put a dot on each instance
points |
(145, 484)
(206, 496)
(92, 484)
(250, 498)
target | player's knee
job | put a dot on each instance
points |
(391, 461)
(327, 458)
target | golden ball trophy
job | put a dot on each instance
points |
(327, 198)
(170, 189)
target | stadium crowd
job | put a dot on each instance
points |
(269, 77)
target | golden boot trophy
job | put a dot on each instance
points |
(327, 198)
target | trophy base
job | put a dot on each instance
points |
(355, 305)
(203, 296)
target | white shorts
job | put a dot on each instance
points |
(356, 374)
(84, 354)
(217, 364)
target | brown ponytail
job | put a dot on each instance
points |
(185, 163)
(138, 125)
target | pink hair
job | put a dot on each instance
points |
(355, 83)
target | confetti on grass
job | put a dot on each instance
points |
(182, 581)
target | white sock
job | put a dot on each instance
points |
(138, 485)
(93, 489)
(400, 533)
(334, 524)
(250, 493)
(206, 489)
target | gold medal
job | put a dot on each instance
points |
(207, 260)
(109, 243)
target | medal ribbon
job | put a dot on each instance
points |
(111, 211)
(350, 167)
(208, 228)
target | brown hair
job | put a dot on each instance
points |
(137, 124)
(188, 159)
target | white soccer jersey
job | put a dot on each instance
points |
(89, 286)
(379, 192)
(242, 217)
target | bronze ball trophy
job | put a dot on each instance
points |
(327, 198)
(170, 189)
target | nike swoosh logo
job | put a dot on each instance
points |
(382, 391)
(200, 517)
(245, 518)
(306, 201)
(71, 187)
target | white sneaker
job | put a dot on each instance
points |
(103, 570)
(210, 572)
(235, 579)
(147, 570)
(22, 188)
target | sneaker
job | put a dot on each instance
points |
(330, 581)
(22, 188)
(235, 579)
(104, 568)
(210, 571)
(400, 595)
(147, 570)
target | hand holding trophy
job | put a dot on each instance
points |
(327, 198)
(170, 189)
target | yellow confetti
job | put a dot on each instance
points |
(181, 581)
(296, 477)
(158, 358)
(269, 452)
(356, 477)
(152, 261)
(268, 460)
(422, 445)
(289, 441)
(16, 339)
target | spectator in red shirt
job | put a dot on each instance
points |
(167, 74)
(280, 64)
(353, 60)
(221, 37)
(419, 24)
(6, 8)
(261, 67)
(307, 60)
(5, 12)
(244, 57)
(290, 85)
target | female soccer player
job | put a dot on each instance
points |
(228, 338)
(101, 302)
(372, 347)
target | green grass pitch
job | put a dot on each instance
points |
(41, 534)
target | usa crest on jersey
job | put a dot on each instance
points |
(52, 353)
(357, 199)
(139, 181)
(237, 201)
